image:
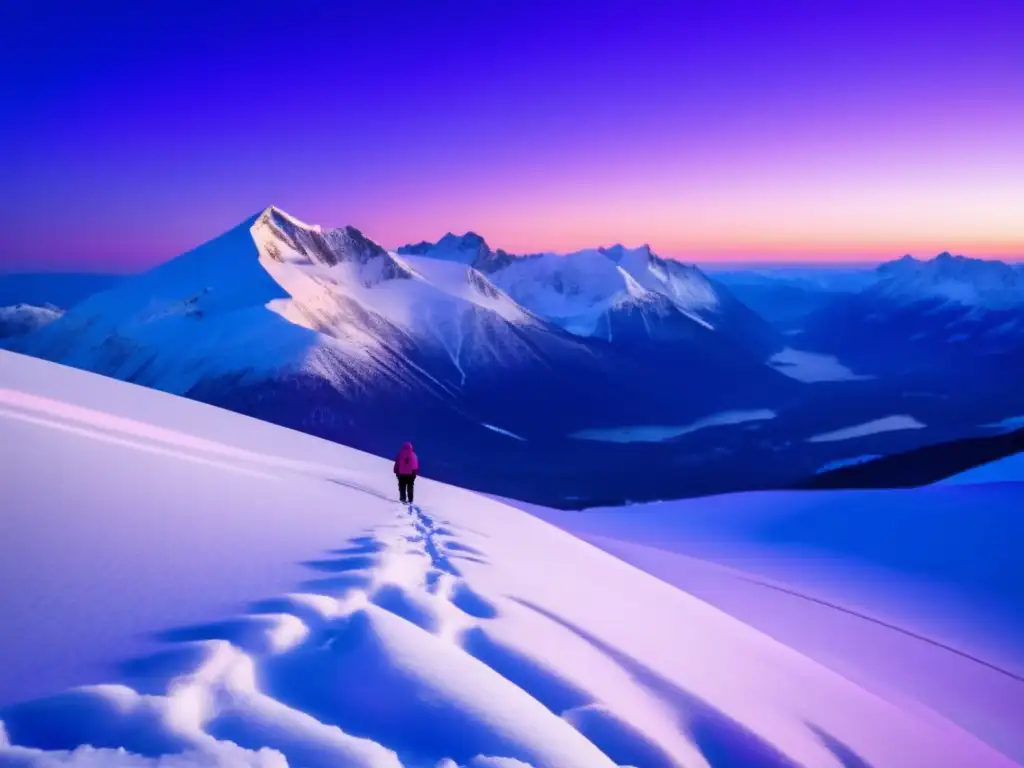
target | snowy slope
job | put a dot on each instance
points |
(239, 594)
(913, 594)
(24, 318)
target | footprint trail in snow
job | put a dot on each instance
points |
(391, 656)
(366, 668)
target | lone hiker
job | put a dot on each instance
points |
(407, 465)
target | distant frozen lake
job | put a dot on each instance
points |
(811, 367)
(657, 434)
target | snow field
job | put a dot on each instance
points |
(296, 614)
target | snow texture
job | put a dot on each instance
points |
(196, 587)
(874, 427)
(913, 594)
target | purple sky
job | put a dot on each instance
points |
(711, 130)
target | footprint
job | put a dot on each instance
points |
(469, 601)
(411, 607)
(543, 683)
(342, 564)
(458, 546)
(360, 546)
(618, 739)
(338, 586)
(433, 580)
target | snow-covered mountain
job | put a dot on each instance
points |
(325, 331)
(615, 293)
(470, 249)
(980, 283)
(24, 318)
(950, 315)
(277, 295)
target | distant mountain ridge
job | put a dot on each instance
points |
(949, 314)
(613, 292)
(469, 249)
(326, 331)
(495, 364)
(988, 284)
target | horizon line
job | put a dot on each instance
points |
(735, 263)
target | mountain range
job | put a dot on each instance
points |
(951, 318)
(326, 331)
(597, 376)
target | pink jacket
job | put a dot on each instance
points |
(407, 462)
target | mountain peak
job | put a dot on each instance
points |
(469, 240)
(469, 248)
(350, 242)
(965, 280)
(415, 249)
(619, 252)
(273, 214)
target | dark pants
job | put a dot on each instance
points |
(405, 483)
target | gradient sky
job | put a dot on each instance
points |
(132, 131)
